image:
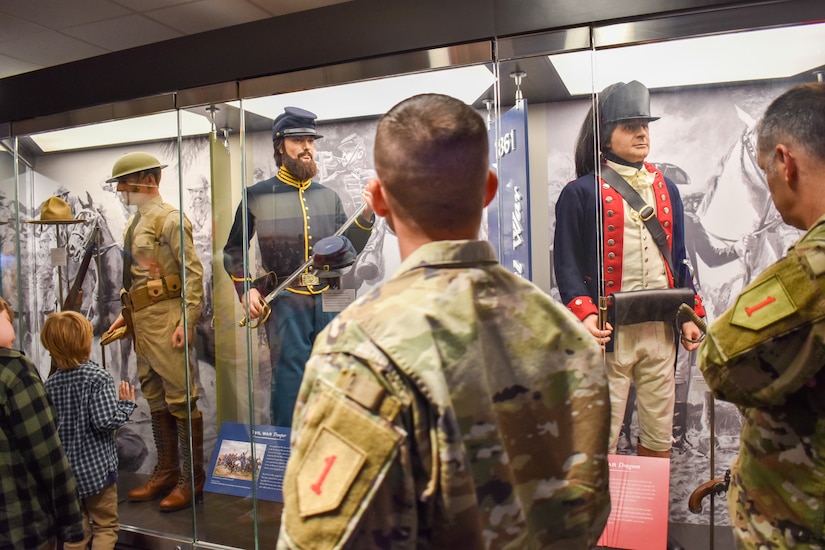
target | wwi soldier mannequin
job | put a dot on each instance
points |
(155, 258)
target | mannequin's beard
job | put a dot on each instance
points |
(301, 169)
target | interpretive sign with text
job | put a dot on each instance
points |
(243, 455)
(639, 488)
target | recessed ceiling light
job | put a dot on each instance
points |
(131, 130)
(360, 99)
(376, 97)
(752, 55)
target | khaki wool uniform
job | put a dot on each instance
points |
(161, 367)
(766, 354)
(455, 406)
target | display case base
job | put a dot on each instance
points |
(220, 521)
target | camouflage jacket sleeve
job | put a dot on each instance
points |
(348, 446)
(769, 345)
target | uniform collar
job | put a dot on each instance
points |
(637, 178)
(449, 254)
(286, 176)
(814, 227)
(146, 207)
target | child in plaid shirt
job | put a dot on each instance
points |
(89, 410)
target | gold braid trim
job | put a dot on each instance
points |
(362, 227)
(286, 176)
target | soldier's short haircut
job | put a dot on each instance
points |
(67, 336)
(797, 115)
(431, 153)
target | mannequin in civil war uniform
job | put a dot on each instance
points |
(289, 213)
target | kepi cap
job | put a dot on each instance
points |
(629, 101)
(333, 256)
(55, 210)
(294, 122)
(131, 163)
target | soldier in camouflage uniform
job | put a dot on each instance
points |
(456, 406)
(766, 353)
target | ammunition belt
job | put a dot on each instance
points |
(156, 290)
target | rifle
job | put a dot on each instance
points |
(74, 298)
(713, 487)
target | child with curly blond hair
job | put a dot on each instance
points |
(89, 410)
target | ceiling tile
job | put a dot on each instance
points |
(123, 32)
(58, 14)
(49, 48)
(12, 28)
(10, 66)
(206, 15)
(282, 7)
(142, 6)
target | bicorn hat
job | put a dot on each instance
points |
(629, 101)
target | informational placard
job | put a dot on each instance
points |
(639, 488)
(336, 300)
(508, 217)
(243, 456)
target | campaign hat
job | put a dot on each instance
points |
(55, 210)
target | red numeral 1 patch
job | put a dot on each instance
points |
(767, 301)
(328, 462)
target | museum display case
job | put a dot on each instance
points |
(710, 76)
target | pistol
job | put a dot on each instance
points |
(713, 487)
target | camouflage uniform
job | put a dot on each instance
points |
(766, 355)
(456, 406)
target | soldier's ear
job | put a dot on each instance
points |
(492, 187)
(380, 205)
(787, 163)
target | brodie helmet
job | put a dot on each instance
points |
(131, 163)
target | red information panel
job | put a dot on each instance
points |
(639, 488)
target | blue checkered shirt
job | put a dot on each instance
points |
(88, 413)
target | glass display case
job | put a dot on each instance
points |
(708, 90)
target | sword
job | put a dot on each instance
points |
(297, 273)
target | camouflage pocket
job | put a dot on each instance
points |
(785, 297)
(343, 455)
